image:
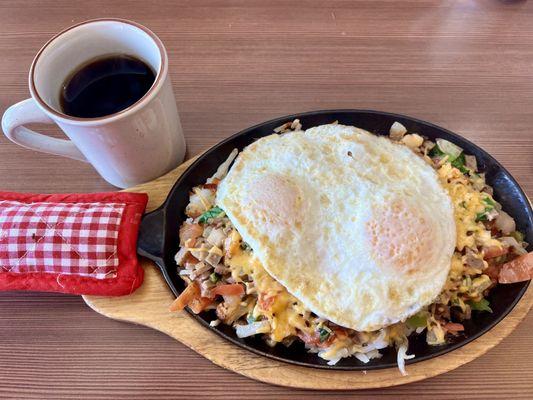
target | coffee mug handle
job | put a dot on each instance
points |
(26, 112)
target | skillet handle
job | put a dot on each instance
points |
(151, 240)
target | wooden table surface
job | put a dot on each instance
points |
(464, 65)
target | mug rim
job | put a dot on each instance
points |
(156, 86)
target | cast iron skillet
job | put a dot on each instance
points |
(158, 238)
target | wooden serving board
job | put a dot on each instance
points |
(149, 306)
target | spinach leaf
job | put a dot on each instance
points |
(459, 163)
(419, 320)
(481, 216)
(436, 152)
(481, 305)
(212, 213)
(323, 334)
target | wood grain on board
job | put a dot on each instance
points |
(464, 65)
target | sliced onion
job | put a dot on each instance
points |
(199, 269)
(201, 253)
(471, 162)
(510, 241)
(213, 259)
(180, 255)
(232, 301)
(252, 329)
(189, 231)
(505, 223)
(492, 214)
(216, 237)
(473, 261)
(397, 131)
(449, 148)
(478, 182)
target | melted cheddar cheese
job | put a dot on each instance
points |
(287, 315)
(468, 203)
(284, 312)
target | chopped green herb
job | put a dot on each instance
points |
(481, 305)
(323, 334)
(489, 202)
(214, 277)
(519, 236)
(481, 216)
(419, 320)
(250, 319)
(451, 150)
(455, 155)
(459, 163)
(464, 170)
(489, 207)
(436, 152)
(212, 213)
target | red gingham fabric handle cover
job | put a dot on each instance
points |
(70, 243)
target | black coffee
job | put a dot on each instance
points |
(105, 86)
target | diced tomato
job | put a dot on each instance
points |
(308, 339)
(212, 185)
(186, 297)
(199, 304)
(229, 289)
(453, 327)
(517, 270)
(494, 251)
(189, 231)
(190, 259)
(493, 271)
(340, 332)
(265, 301)
(314, 339)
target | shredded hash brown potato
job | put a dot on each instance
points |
(222, 273)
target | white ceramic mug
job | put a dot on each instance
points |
(129, 147)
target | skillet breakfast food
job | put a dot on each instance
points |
(346, 241)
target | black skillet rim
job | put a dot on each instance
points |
(280, 120)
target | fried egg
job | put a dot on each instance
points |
(355, 226)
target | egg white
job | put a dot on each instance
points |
(355, 226)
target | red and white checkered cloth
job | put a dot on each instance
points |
(65, 238)
(79, 243)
